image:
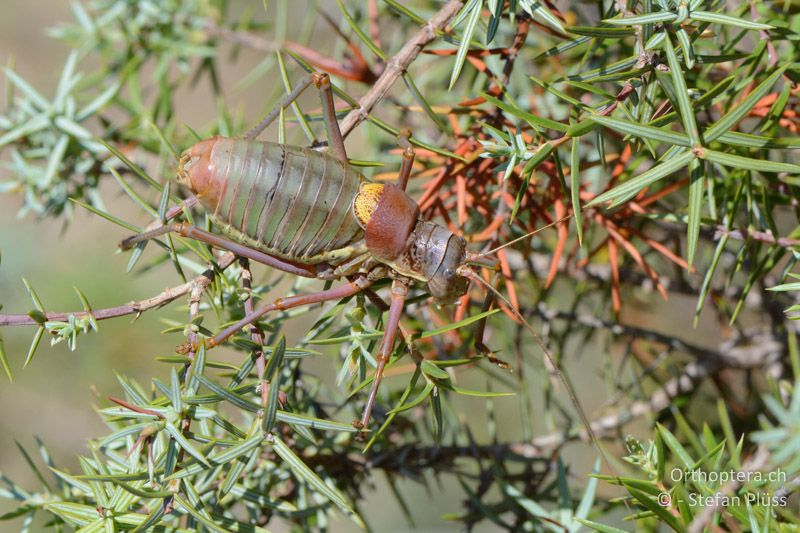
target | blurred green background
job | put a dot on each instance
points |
(54, 398)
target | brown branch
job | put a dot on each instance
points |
(195, 294)
(744, 234)
(256, 335)
(395, 67)
(687, 381)
(616, 328)
(758, 350)
(398, 64)
(410, 458)
(135, 307)
(745, 351)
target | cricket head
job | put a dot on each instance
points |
(433, 255)
(441, 255)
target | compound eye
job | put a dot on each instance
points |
(449, 273)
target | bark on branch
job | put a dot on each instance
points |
(166, 296)
(398, 64)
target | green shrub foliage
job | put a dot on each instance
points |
(653, 143)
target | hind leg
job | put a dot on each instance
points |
(187, 230)
(335, 139)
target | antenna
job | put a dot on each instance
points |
(467, 272)
(529, 234)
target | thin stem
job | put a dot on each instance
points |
(755, 235)
(131, 308)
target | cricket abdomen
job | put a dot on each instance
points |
(295, 203)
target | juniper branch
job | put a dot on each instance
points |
(136, 307)
(686, 382)
(398, 64)
(395, 67)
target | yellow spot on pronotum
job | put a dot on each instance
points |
(366, 201)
